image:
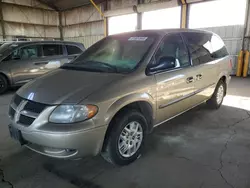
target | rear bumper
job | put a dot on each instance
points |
(66, 145)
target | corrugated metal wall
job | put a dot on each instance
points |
(29, 18)
(86, 40)
(83, 25)
(29, 3)
(119, 4)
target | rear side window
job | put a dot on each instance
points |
(27, 52)
(200, 47)
(73, 50)
(52, 50)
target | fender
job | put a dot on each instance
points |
(226, 74)
(225, 70)
(8, 75)
(128, 99)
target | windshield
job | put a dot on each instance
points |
(119, 54)
(7, 47)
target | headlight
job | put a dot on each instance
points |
(72, 113)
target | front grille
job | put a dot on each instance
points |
(23, 111)
(11, 112)
(34, 107)
(17, 100)
(25, 120)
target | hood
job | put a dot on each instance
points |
(65, 86)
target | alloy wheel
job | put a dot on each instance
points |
(130, 139)
(220, 94)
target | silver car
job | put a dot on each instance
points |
(111, 97)
(21, 62)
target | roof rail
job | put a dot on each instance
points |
(27, 39)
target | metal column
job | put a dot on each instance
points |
(60, 25)
(102, 15)
(2, 21)
(184, 14)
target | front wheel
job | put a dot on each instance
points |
(3, 84)
(217, 98)
(126, 139)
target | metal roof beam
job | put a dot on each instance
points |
(51, 5)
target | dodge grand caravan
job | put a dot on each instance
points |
(109, 98)
(21, 62)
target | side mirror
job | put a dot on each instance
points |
(164, 63)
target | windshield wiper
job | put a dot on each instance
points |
(76, 66)
(114, 68)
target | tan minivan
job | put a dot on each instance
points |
(109, 98)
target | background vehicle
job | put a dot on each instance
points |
(117, 91)
(21, 62)
(1, 43)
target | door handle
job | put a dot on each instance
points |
(198, 76)
(190, 79)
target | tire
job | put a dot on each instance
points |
(3, 84)
(217, 98)
(131, 145)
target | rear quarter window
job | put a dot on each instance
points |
(199, 46)
(204, 47)
(218, 46)
(52, 49)
(73, 50)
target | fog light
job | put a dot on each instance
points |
(70, 150)
(53, 150)
(58, 151)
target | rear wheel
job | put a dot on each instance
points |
(126, 139)
(3, 84)
(217, 98)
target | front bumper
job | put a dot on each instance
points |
(66, 145)
(69, 141)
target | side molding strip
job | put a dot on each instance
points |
(185, 97)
